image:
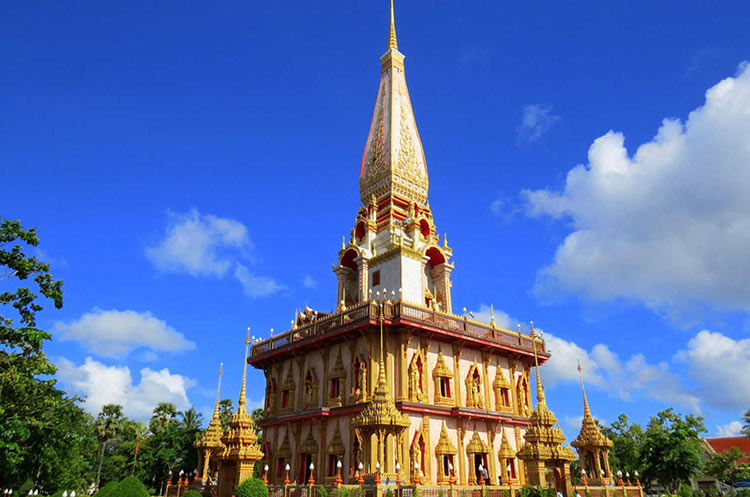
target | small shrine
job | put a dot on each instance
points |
(210, 446)
(592, 446)
(543, 449)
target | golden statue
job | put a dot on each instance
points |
(523, 409)
(361, 381)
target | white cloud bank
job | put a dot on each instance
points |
(206, 245)
(115, 333)
(101, 384)
(708, 356)
(668, 226)
(733, 429)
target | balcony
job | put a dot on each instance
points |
(401, 313)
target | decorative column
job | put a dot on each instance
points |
(363, 270)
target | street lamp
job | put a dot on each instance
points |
(286, 478)
(265, 474)
(627, 478)
(619, 478)
(361, 479)
(416, 473)
(637, 481)
(398, 474)
(583, 478)
(377, 472)
(481, 474)
(339, 481)
(311, 480)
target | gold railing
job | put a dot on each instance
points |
(404, 312)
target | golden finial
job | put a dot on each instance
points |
(392, 43)
(218, 389)
(586, 411)
(492, 312)
(445, 240)
(343, 242)
(539, 388)
(381, 366)
(242, 400)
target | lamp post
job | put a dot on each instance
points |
(265, 474)
(180, 482)
(360, 479)
(637, 481)
(311, 480)
(583, 478)
(619, 478)
(286, 479)
(377, 472)
(481, 474)
(603, 475)
(339, 481)
(398, 479)
(627, 478)
(416, 473)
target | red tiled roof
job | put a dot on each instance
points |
(723, 444)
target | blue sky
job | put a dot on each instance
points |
(191, 168)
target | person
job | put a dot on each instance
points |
(486, 475)
(500, 480)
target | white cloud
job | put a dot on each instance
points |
(732, 429)
(502, 319)
(254, 285)
(604, 369)
(102, 384)
(197, 244)
(309, 282)
(115, 333)
(720, 367)
(536, 120)
(668, 226)
(206, 245)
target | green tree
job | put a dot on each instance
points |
(109, 426)
(131, 487)
(672, 448)
(44, 434)
(163, 414)
(627, 440)
(746, 419)
(725, 466)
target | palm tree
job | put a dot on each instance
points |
(225, 412)
(108, 425)
(163, 413)
(191, 420)
(746, 428)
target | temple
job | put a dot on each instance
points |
(440, 395)
(393, 387)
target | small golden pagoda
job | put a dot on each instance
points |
(380, 418)
(210, 443)
(543, 448)
(241, 449)
(592, 445)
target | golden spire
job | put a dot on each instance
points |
(539, 388)
(218, 389)
(392, 43)
(586, 411)
(242, 400)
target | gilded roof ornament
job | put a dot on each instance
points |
(590, 436)
(392, 42)
(211, 439)
(381, 410)
(240, 439)
(444, 445)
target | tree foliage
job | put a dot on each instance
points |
(44, 434)
(252, 487)
(725, 466)
(672, 448)
(130, 487)
(746, 419)
(627, 439)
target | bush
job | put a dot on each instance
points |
(322, 492)
(192, 493)
(357, 492)
(58, 493)
(108, 490)
(532, 491)
(252, 487)
(130, 486)
(27, 485)
(342, 492)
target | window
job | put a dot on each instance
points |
(335, 390)
(284, 398)
(506, 397)
(281, 462)
(376, 278)
(445, 387)
(331, 464)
